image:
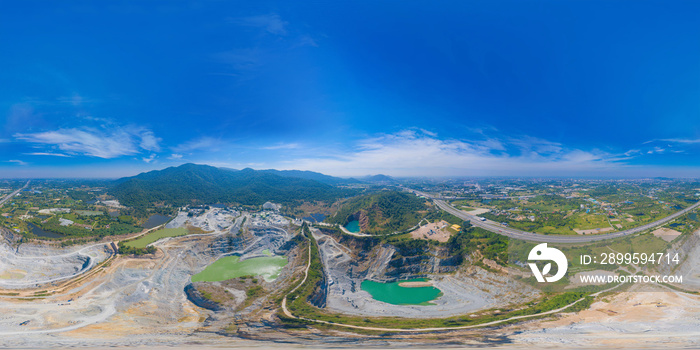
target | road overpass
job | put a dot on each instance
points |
(553, 238)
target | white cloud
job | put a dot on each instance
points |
(683, 141)
(150, 158)
(105, 143)
(416, 153)
(149, 142)
(18, 162)
(175, 156)
(656, 149)
(282, 146)
(47, 154)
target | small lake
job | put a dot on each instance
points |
(155, 220)
(353, 226)
(229, 267)
(393, 293)
(37, 231)
(317, 217)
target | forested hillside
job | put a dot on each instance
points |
(311, 175)
(203, 184)
(382, 212)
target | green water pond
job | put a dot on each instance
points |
(151, 237)
(353, 226)
(392, 293)
(229, 267)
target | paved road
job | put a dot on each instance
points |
(2, 201)
(538, 237)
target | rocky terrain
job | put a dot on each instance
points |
(144, 302)
(468, 290)
(140, 301)
(30, 265)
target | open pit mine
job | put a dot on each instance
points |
(238, 278)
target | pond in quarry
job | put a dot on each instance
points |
(229, 267)
(408, 292)
(155, 220)
(353, 226)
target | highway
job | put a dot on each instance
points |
(6, 198)
(538, 237)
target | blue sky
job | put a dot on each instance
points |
(406, 88)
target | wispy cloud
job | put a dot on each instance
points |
(305, 40)
(149, 158)
(281, 146)
(47, 154)
(271, 23)
(149, 141)
(76, 100)
(674, 140)
(105, 143)
(670, 145)
(416, 153)
(202, 143)
(17, 161)
(656, 150)
(175, 156)
(683, 141)
(240, 59)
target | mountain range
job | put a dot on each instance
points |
(204, 184)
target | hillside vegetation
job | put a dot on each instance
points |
(383, 212)
(203, 184)
(311, 175)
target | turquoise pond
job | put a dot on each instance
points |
(353, 226)
(393, 293)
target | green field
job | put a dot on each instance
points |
(230, 267)
(582, 221)
(149, 238)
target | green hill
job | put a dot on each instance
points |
(203, 184)
(310, 175)
(383, 212)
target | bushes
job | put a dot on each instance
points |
(300, 297)
(411, 247)
(128, 250)
(255, 291)
(491, 245)
(115, 228)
